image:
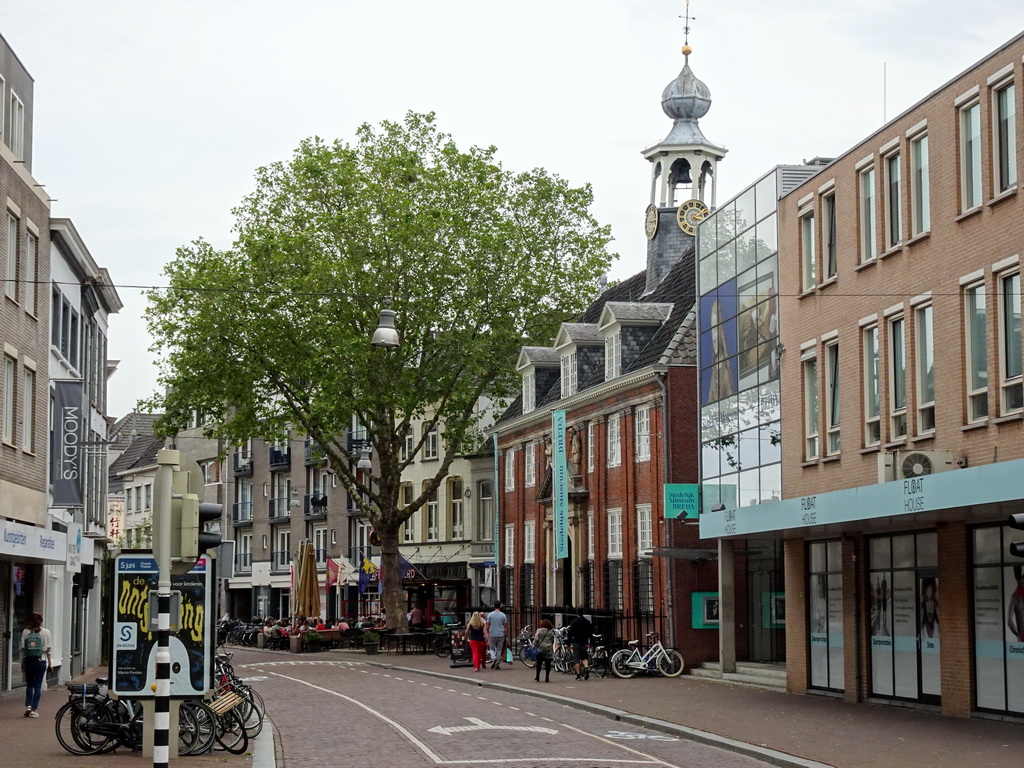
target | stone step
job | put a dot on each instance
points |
(757, 681)
(774, 671)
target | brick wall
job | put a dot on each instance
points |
(955, 617)
(797, 662)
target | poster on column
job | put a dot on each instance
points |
(989, 637)
(931, 669)
(904, 624)
(881, 632)
(1014, 586)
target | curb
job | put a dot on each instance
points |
(771, 756)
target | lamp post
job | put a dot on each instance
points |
(386, 335)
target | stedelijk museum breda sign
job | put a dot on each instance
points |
(987, 484)
(68, 454)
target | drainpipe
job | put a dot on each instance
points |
(667, 450)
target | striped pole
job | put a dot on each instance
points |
(162, 716)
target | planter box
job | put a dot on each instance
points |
(371, 648)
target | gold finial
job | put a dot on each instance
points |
(687, 49)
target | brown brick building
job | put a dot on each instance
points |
(902, 406)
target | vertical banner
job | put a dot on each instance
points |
(560, 491)
(496, 493)
(68, 454)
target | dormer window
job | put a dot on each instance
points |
(569, 374)
(529, 391)
(613, 355)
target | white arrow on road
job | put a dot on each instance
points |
(480, 725)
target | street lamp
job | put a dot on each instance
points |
(386, 335)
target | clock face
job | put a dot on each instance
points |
(651, 221)
(689, 215)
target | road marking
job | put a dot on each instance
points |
(620, 745)
(629, 735)
(253, 679)
(480, 725)
(516, 709)
(397, 726)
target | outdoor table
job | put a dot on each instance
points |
(402, 640)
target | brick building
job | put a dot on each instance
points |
(624, 377)
(902, 408)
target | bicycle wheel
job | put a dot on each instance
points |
(70, 722)
(620, 664)
(195, 717)
(531, 663)
(670, 663)
(600, 665)
(252, 712)
(231, 734)
(442, 646)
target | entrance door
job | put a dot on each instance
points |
(766, 617)
(21, 607)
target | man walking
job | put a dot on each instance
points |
(580, 632)
(496, 621)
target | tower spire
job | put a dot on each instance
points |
(686, 32)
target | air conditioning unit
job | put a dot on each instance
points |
(908, 464)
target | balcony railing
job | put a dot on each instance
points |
(314, 454)
(242, 463)
(241, 512)
(280, 457)
(279, 560)
(243, 562)
(278, 509)
(315, 505)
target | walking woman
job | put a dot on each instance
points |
(35, 658)
(477, 640)
(544, 639)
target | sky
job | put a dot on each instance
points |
(151, 117)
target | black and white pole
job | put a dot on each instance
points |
(167, 460)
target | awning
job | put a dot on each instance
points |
(439, 572)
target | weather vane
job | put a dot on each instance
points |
(686, 30)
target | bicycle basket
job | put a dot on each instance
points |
(224, 700)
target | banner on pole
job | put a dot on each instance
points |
(560, 490)
(68, 457)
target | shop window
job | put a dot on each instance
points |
(825, 611)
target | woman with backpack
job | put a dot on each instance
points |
(35, 658)
(544, 640)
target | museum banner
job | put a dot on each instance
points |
(560, 493)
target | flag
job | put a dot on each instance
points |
(333, 570)
(405, 568)
(366, 571)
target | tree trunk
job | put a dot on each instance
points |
(394, 605)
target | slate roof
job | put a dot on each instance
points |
(140, 453)
(645, 312)
(541, 355)
(583, 333)
(674, 343)
(121, 433)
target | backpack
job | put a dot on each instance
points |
(33, 646)
(547, 642)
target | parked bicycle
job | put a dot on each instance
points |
(657, 659)
(523, 645)
(600, 656)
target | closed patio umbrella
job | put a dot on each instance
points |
(307, 587)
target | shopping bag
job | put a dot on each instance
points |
(508, 655)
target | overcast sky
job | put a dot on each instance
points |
(150, 117)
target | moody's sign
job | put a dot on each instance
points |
(68, 454)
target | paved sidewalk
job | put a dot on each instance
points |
(818, 728)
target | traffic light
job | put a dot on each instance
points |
(1017, 547)
(208, 512)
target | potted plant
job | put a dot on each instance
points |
(311, 641)
(371, 641)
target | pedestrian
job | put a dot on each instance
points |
(496, 621)
(477, 641)
(544, 641)
(36, 643)
(579, 634)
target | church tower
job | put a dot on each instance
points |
(684, 169)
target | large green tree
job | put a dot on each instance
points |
(274, 333)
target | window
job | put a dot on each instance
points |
(591, 445)
(872, 394)
(529, 542)
(28, 412)
(320, 546)
(433, 522)
(16, 140)
(408, 531)
(1006, 138)
(430, 444)
(614, 533)
(283, 553)
(1010, 385)
(405, 450)
(828, 234)
(976, 353)
(12, 269)
(590, 535)
(8, 423)
(457, 516)
(924, 369)
(807, 261)
(510, 544)
(867, 215)
(569, 383)
(31, 272)
(148, 490)
(485, 512)
(893, 201)
(510, 469)
(530, 465)
(970, 157)
(644, 533)
(897, 380)
(642, 430)
(612, 355)
(529, 391)
(614, 441)
(920, 199)
(129, 503)
(832, 395)
(811, 409)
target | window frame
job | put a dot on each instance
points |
(530, 465)
(811, 409)
(614, 534)
(920, 186)
(897, 369)
(871, 389)
(28, 410)
(568, 380)
(976, 396)
(10, 395)
(828, 235)
(430, 444)
(530, 541)
(1004, 137)
(529, 391)
(12, 261)
(591, 541)
(16, 113)
(642, 432)
(433, 515)
(867, 214)
(591, 445)
(458, 508)
(510, 469)
(644, 529)
(969, 128)
(1010, 379)
(509, 549)
(808, 257)
(893, 200)
(613, 354)
(832, 392)
(614, 440)
(924, 361)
